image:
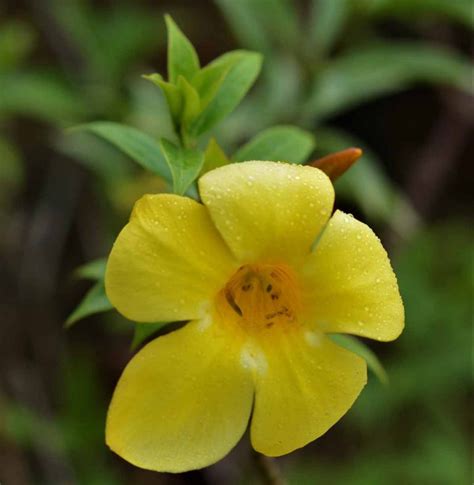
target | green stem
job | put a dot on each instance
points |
(268, 469)
(186, 140)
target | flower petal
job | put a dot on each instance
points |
(167, 262)
(268, 210)
(182, 402)
(351, 287)
(307, 385)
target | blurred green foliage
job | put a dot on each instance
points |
(333, 61)
(316, 67)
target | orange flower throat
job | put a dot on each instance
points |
(260, 296)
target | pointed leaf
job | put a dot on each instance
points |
(229, 92)
(210, 77)
(279, 143)
(134, 143)
(214, 157)
(93, 270)
(355, 345)
(182, 57)
(191, 102)
(172, 94)
(378, 69)
(95, 301)
(185, 165)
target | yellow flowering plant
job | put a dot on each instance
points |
(263, 273)
(259, 271)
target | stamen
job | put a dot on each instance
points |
(262, 295)
(231, 301)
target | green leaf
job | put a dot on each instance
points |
(149, 111)
(378, 69)
(137, 145)
(276, 97)
(172, 94)
(327, 19)
(93, 270)
(95, 301)
(279, 143)
(209, 78)
(183, 99)
(355, 345)
(143, 331)
(182, 57)
(191, 102)
(185, 165)
(228, 93)
(214, 157)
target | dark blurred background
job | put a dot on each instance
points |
(391, 76)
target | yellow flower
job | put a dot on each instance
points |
(262, 272)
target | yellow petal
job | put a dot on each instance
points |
(268, 210)
(351, 287)
(167, 262)
(182, 402)
(306, 386)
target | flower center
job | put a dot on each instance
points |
(260, 296)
